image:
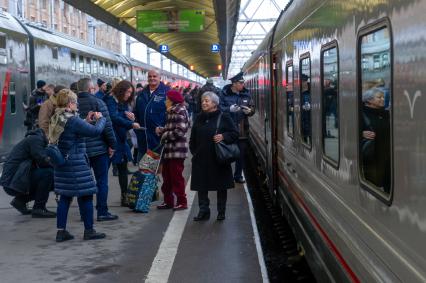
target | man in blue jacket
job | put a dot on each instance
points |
(102, 89)
(237, 101)
(100, 148)
(150, 112)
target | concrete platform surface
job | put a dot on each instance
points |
(207, 252)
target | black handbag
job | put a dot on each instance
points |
(226, 153)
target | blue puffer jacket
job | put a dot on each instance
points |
(99, 144)
(150, 112)
(121, 125)
(75, 178)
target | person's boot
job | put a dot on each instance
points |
(114, 170)
(91, 234)
(220, 216)
(63, 235)
(124, 202)
(202, 216)
(20, 206)
(43, 213)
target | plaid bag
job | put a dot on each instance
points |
(150, 162)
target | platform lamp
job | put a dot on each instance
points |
(191, 67)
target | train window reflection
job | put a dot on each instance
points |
(290, 99)
(81, 64)
(305, 101)
(375, 110)
(330, 103)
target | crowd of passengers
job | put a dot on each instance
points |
(96, 126)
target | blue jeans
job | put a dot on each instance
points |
(85, 204)
(100, 165)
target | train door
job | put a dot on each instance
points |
(273, 160)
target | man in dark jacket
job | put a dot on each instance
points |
(102, 89)
(236, 100)
(99, 148)
(27, 175)
(209, 86)
(37, 97)
(150, 112)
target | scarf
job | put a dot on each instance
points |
(57, 123)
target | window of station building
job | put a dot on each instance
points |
(116, 70)
(88, 66)
(375, 109)
(55, 52)
(101, 67)
(107, 69)
(290, 98)
(12, 95)
(81, 64)
(305, 100)
(73, 62)
(3, 51)
(330, 102)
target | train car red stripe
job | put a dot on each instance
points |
(324, 235)
(4, 98)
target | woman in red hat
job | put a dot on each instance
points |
(173, 135)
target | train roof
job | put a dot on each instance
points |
(10, 23)
(60, 39)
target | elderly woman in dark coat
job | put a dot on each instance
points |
(122, 120)
(74, 178)
(207, 173)
(375, 145)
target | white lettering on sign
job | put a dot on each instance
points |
(411, 103)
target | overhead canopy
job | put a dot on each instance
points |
(190, 48)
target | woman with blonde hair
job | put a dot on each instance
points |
(74, 178)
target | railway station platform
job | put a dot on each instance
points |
(160, 246)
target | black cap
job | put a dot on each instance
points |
(304, 77)
(40, 83)
(100, 82)
(138, 85)
(238, 78)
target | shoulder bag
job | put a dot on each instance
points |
(225, 153)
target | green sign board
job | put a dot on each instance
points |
(170, 21)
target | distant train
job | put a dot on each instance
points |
(29, 53)
(340, 132)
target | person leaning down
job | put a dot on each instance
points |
(74, 178)
(208, 174)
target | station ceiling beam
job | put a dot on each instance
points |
(221, 17)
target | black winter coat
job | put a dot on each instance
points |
(33, 148)
(96, 145)
(207, 173)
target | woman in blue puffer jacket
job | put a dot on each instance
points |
(74, 178)
(122, 120)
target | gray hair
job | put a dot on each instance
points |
(213, 97)
(370, 94)
(84, 84)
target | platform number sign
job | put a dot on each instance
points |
(215, 48)
(164, 48)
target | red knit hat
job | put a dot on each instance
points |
(175, 96)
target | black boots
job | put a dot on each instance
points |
(20, 206)
(91, 234)
(124, 202)
(63, 235)
(220, 216)
(42, 213)
(202, 216)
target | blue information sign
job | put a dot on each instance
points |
(164, 48)
(215, 48)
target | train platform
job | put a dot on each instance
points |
(160, 246)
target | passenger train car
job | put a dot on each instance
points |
(29, 53)
(340, 131)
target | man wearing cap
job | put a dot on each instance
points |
(150, 112)
(139, 88)
(102, 89)
(38, 96)
(236, 100)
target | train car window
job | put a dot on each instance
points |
(290, 98)
(73, 62)
(375, 109)
(330, 102)
(55, 52)
(81, 64)
(101, 67)
(305, 101)
(88, 65)
(95, 66)
(12, 95)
